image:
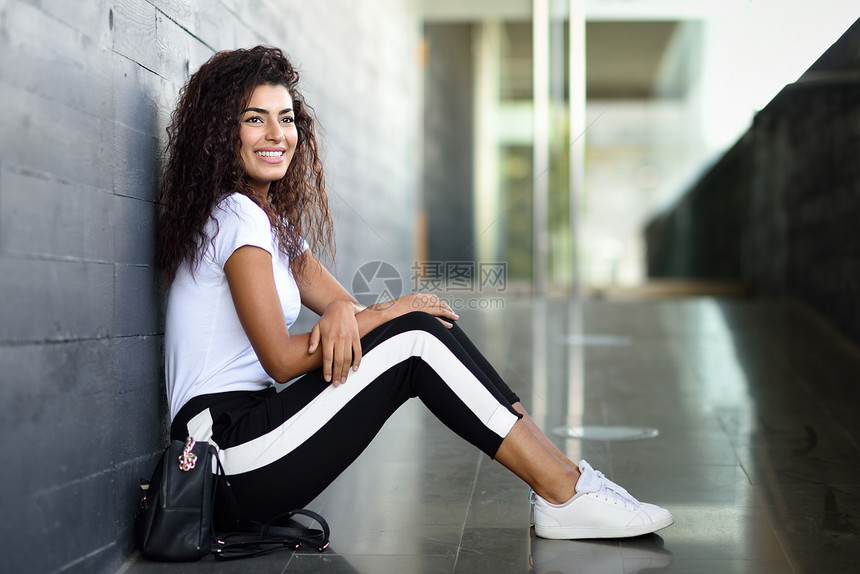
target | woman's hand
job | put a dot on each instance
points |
(426, 302)
(337, 334)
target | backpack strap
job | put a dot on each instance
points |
(272, 536)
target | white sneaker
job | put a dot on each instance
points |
(532, 499)
(599, 509)
(533, 496)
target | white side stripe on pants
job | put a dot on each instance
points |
(266, 449)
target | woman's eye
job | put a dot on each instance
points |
(254, 120)
(289, 120)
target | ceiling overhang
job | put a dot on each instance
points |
(595, 10)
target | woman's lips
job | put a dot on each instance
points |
(271, 155)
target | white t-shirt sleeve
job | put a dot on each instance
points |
(240, 222)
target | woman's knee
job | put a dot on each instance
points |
(423, 321)
(412, 321)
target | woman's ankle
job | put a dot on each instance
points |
(561, 490)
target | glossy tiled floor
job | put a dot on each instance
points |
(757, 406)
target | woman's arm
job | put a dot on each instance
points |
(252, 287)
(285, 356)
(337, 332)
(318, 287)
(340, 329)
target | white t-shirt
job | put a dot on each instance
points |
(206, 349)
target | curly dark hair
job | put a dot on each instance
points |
(204, 166)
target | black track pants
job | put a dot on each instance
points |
(281, 449)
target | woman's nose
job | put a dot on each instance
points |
(274, 132)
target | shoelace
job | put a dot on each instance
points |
(608, 490)
(611, 491)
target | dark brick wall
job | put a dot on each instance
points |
(86, 89)
(779, 212)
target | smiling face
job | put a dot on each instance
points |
(268, 136)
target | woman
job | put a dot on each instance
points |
(243, 187)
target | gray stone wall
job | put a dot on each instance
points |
(779, 212)
(86, 89)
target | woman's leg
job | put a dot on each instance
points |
(525, 456)
(511, 397)
(525, 450)
(281, 450)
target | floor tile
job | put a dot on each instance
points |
(370, 564)
(686, 485)
(598, 557)
(818, 526)
(499, 499)
(273, 563)
(728, 567)
(724, 533)
(494, 550)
